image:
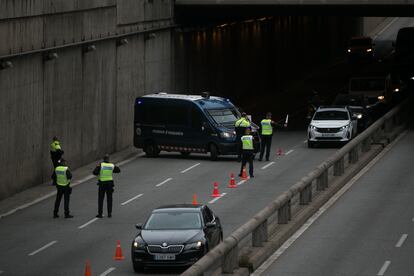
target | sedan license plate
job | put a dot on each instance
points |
(327, 134)
(164, 257)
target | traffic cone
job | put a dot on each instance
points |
(215, 191)
(279, 151)
(195, 199)
(88, 269)
(118, 252)
(244, 174)
(232, 183)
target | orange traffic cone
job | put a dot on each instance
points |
(118, 252)
(244, 174)
(195, 199)
(88, 269)
(215, 191)
(279, 151)
(232, 183)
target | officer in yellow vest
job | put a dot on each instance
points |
(56, 151)
(240, 127)
(61, 178)
(266, 126)
(105, 172)
(247, 151)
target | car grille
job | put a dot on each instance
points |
(328, 130)
(173, 249)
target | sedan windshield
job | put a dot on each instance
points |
(331, 115)
(223, 116)
(173, 220)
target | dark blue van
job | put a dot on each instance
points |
(186, 124)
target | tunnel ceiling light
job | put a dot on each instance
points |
(6, 64)
(50, 56)
(122, 41)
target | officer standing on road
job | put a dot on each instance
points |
(247, 152)
(266, 134)
(56, 151)
(240, 127)
(105, 171)
(61, 178)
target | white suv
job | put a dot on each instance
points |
(331, 124)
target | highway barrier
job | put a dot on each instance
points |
(249, 246)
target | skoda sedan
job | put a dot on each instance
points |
(175, 235)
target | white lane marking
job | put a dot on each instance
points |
(46, 196)
(1, 271)
(384, 268)
(402, 240)
(129, 200)
(192, 167)
(217, 198)
(89, 222)
(165, 181)
(325, 207)
(130, 159)
(267, 165)
(290, 151)
(42, 248)
(106, 272)
(305, 141)
(241, 182)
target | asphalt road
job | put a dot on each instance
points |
(66, 244)
(370, 229)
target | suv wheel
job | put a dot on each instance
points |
(213, 152)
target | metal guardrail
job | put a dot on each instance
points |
(226, 254)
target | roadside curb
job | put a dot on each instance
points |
(38, 193)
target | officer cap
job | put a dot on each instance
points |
(55, 138)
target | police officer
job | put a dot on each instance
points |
(105, 184)
(266, 134)
(61, 178)
(240, 128)
(56, 151)
(247, 151)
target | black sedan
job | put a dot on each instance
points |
(175, 235)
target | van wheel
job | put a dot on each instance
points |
(151, 149)
(213, 152)
(185, 154)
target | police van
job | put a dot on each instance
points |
(187, 124)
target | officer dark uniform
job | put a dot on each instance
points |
(240, 128)
(247, 152)
(56, 151)
(61, 178)
(266, 134)
(106, 184)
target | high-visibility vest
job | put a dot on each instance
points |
(242, 122)
(61, 178)
(105, 173)
(247, 142)
(266, 127)
(54, 146)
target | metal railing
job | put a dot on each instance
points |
(225, 256)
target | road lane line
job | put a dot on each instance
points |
(165, 181)
(384, 268)
(323, 209)
(130, 159)
(290, 151)
(129, 200)
(89, 222)
(241, 182)
(402, 240)
(305, 141)
(1, 271)
(267, 165)
(412, 220)
(42, 248)
(106, 272)
(192, 167)
(217, 198)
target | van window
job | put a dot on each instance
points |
(177, 115)
(223, 116)
(150, 113)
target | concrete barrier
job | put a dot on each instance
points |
(273, 225)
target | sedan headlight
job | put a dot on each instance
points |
(139, 244)
(358, 115)
(369, 50)
(349, 50)
(396, 89)
(312, 127)
(194, 246)
(381, 98)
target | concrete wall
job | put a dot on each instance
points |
(85, 98)
(369, 24)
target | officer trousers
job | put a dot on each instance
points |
(108, 189)
(65, 192)
(247, 156)
(266, 143)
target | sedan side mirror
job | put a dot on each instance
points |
(138, 226)
(210, 224)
